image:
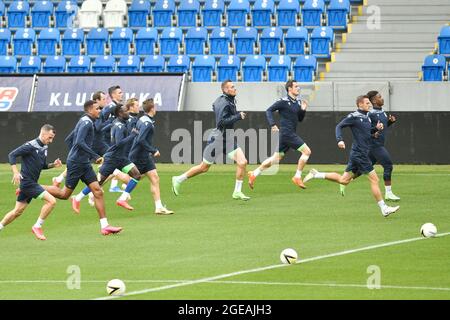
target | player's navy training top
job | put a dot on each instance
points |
(101, 126)
(34, 159)
(142, 144)
(226, 114)
(131, 124)
(83, 138)
(107, 117)
(290, 114)
(379, 115)
(119, 140)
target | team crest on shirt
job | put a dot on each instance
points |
(45, 152)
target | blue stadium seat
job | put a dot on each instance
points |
(187, 13)
(220, 40)
(338, 14)
(145, 41)
(79, 64)
(121, 39)
(322, 39)
(153, 64)
(8, 64)
(433, 68)
(245, 40)
(312, 12)
(253, 68)
(237, 12)
(30, 64)
(279, 67)
(228, 68)
(262, 12)
(96, 41)
(2, 9)
(178, 64)
(162, 13)
(65, 13)
(138, 13)
(48, 40)
(305, 68)
(5, 39)
(270, 40)
(203, 68)
(17, 12)
(287, 12)
(71, 41)
(129, 64)
(23, 41)
(195, 40)
(104, 64)
(444, 40)
(54, 64)
(40, 14)
(212, 13)
(170, 40)
(295, 40)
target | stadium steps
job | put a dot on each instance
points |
(405, 2)
(385, 56)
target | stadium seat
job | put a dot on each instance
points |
(195, 40)
(228, 68)
(433, 68)
(145, 41)
(170, 40)
(253, 68)
(8, 64)
(48, 40)
(79, 64)
(162, 13)
(17, 13)
(138, 13)
(30, 64)
(54, 64)
(338, 14)
(121, 39)
(305, 68)
(212, 13)
(129, 64)
(270, 40)
(89, 14)
(237, 12)
(153, 64)
(178, 64)
(40, 14)
(23, 41)
(322, 39)
(262, 12)
(245, 40)
(287, 12)
(202, 68)
(220, 40)
(71, 41)
(96, 41)
(104, 64)
(2, 9)
(114, 14)
(295, 40)
(279, 67)
(65, 13)
(444, 40)
(187, 13)
(5, 39)
(312, 12)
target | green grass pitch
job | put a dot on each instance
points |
(211, 235)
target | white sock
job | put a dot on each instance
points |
(124, 186)
(320, 175)
(114, 183)
(238, 186)
(103, 223)
(79, 196)
(257, 172)
(60, 178)
(388, 189)
(1, 226)
(298, 174)
(39, 223)
(381, 204)
(124, 196)
(158, 204)
(182, 178)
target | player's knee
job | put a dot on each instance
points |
(155, 178)
(204, 168)
(242, 162)
(97, 192)
(18, 212)
(51, 202)
(306, 151)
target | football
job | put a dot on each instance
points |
(115, 287)
(288, 256)
(428, 230)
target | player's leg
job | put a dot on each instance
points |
(376, 192)
(49, 204)
(134, 174)
(384, 158)
(160, 209)
(241, 164)
(343, 179)
(76, 200)
(59, 179)
(266, 164)
(203, 167)
(306, 153)
(13, 214)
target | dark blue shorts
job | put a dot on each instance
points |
(110, 164)
(359, 163)
(145, 165)
(291, 141)
(77, 172)
(29, 191)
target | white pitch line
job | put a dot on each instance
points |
(237, 273)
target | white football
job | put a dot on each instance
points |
(115, 287)
(428, 230)
(288, 256)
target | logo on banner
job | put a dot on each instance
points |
(7, 97)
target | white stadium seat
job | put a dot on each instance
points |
(114, 14)
(88, 15)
